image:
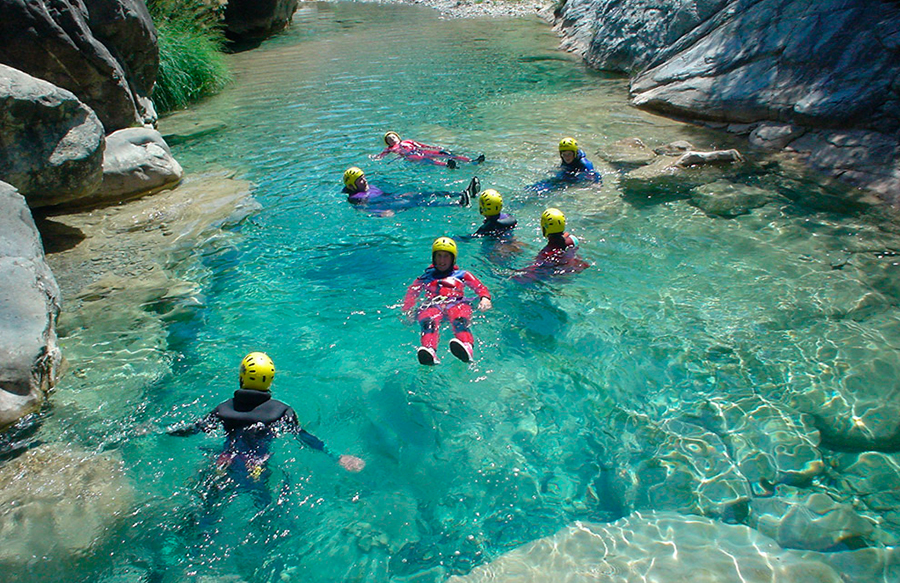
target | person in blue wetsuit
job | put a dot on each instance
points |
(252, 419)
(378, 202)
(497, 224)
(559, 255)
(574, 168)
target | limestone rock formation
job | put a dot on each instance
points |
(58, 503)
(103, 51)
(137, 161)
(52, 144)
(818, 77)
(249, 20)
(29, 306)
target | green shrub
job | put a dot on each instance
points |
(191, 63)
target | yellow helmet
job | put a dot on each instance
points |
(490, 203)
(351, 175)
(391, 133)
(257, 371)
(444, 244)
(552, 221)
(568, 144)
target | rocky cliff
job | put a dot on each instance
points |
(820, 78)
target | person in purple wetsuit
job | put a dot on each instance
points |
(418, 152)
(378, 202)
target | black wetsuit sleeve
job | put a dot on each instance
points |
(311, 440)
(207, 424)
(291, 424)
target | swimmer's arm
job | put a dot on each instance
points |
(348, 462)
(207, 424)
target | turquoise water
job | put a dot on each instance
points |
(578, 382)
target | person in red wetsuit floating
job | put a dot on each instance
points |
(559, 255)
(418, 152)
(443, 284)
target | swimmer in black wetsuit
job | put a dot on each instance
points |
(497, 225)
(252, 419)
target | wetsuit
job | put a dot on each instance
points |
(251, 419)
(497, 226)
(419, 152)
(559, 256)
(579, 170)
(378, 202)
(444, 296)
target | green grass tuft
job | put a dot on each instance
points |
(191, 62)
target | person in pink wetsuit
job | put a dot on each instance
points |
(418, 152)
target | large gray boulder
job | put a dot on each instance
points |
(29, 306)
(137, 162)
(252, 20)
(103, 51)
(51, 144)
(832, 66)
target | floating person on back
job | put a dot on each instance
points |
(444, 286)
(418, 152)
(559, 255)
(497, 224)
(378, 202)
(574, 168)
(252, 419)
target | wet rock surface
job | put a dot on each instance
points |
(103, 51)
(751, 68)
(29, 306)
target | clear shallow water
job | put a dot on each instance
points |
(464, 462)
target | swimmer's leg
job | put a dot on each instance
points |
(430, 321)
(462, 345)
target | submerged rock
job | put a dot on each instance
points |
(770, 445)
(29, 305)
(811, 521)
(658, 547)
(728, 199)
(55, 502)
(682, 467)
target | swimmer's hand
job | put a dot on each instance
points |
(351, 463)
(485, 304)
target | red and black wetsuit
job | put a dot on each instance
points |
(444, 296)
(559, 255)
